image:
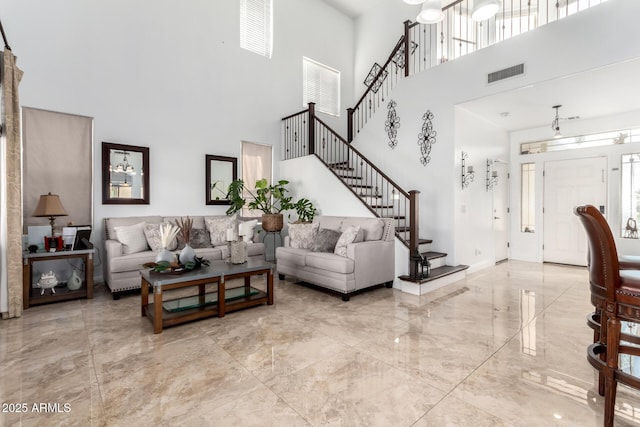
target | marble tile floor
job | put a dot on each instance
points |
(504, 347)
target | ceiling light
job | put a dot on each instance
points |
(431, 12)
(485, 9)
(555, 124)
(413, 1)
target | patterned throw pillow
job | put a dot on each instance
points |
(152, 234)
(218, 227)
(132, 238)
(326, 240)
(246, 229)
(348, 236)
(200, 238)
(301, 236)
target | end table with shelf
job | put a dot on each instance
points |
(32, 295)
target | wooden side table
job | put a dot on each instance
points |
(32, 295)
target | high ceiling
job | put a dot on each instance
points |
(602, 92)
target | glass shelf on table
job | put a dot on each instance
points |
(211, 298)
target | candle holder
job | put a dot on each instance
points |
(492, 176)
(468, 174)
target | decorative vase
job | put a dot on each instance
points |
(165, 255)
(75, 282)
(272, 222)
(187, 254)
(238, 252)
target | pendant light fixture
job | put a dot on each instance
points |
(555, 124)
(431, 12)
(484, 9)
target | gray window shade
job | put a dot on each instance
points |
(256, 26)
(58, 158)
(321, 84)
(257, 163)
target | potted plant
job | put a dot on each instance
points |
(305, 210)
(270, 199)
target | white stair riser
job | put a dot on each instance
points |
(438, 262)
(425, 288)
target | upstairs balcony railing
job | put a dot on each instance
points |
(423, 46)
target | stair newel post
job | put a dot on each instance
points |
(407, 42)
(349, 125)
(312, 128)
(414, 245)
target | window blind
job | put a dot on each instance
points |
(321, 84)
(256, 26)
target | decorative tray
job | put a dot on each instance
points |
(175, 268)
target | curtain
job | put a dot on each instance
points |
(10, 193)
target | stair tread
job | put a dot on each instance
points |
(433, 254)
(437, 273)
(424, 241)
(360, 186)
(349, 176)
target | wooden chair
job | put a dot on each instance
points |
(616, 295)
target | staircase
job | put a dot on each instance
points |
(305, 134)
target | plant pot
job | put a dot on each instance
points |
(272, 222)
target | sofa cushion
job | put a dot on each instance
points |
(218, 226)
(131, 262)
(325, 240)
(292, 256)
(302, 235)
(330, 262)
(132, 238)
(111, 223)
(152, 234)
(347, 236)
(198, 221)
(246, 229)
(372, 227)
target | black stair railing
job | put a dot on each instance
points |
(305, 134)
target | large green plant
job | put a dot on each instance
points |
(269, 199)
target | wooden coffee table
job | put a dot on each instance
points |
(164, 313)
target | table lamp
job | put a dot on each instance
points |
(50, 206)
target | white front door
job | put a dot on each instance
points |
(501, 212)
(567, 184)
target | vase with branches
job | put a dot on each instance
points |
(185, 226)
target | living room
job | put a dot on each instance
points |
(173, 78)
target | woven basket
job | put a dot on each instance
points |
(272, 222)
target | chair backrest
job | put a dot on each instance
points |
(604, 267)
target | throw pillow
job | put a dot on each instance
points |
(132, 238)
(347, 236)
(152, 234)
(326, 240)
(218, 227)
(301, 236)
(200, 238)
(246, 229)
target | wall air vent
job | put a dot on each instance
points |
(516, 70)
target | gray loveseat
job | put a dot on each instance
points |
(122, 270)
(369, 262)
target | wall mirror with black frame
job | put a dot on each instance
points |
(220, 171)
(125, 174)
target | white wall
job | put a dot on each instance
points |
(528, 246)
(171, 76)
(593, 38)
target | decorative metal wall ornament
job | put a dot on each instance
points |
(426, 138)
(398, 58)
(392, 124)
(492, 176)
(467, 174)
(369, 81)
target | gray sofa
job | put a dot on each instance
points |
(122, 271)
(369, 262)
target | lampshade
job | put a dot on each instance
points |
(413, 1)
(431, 12)
(50, 206)
(484, 9)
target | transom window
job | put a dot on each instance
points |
(256, 26)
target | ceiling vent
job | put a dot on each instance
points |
(496, 76)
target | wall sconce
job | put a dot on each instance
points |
(467, 173)
(492, 176)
